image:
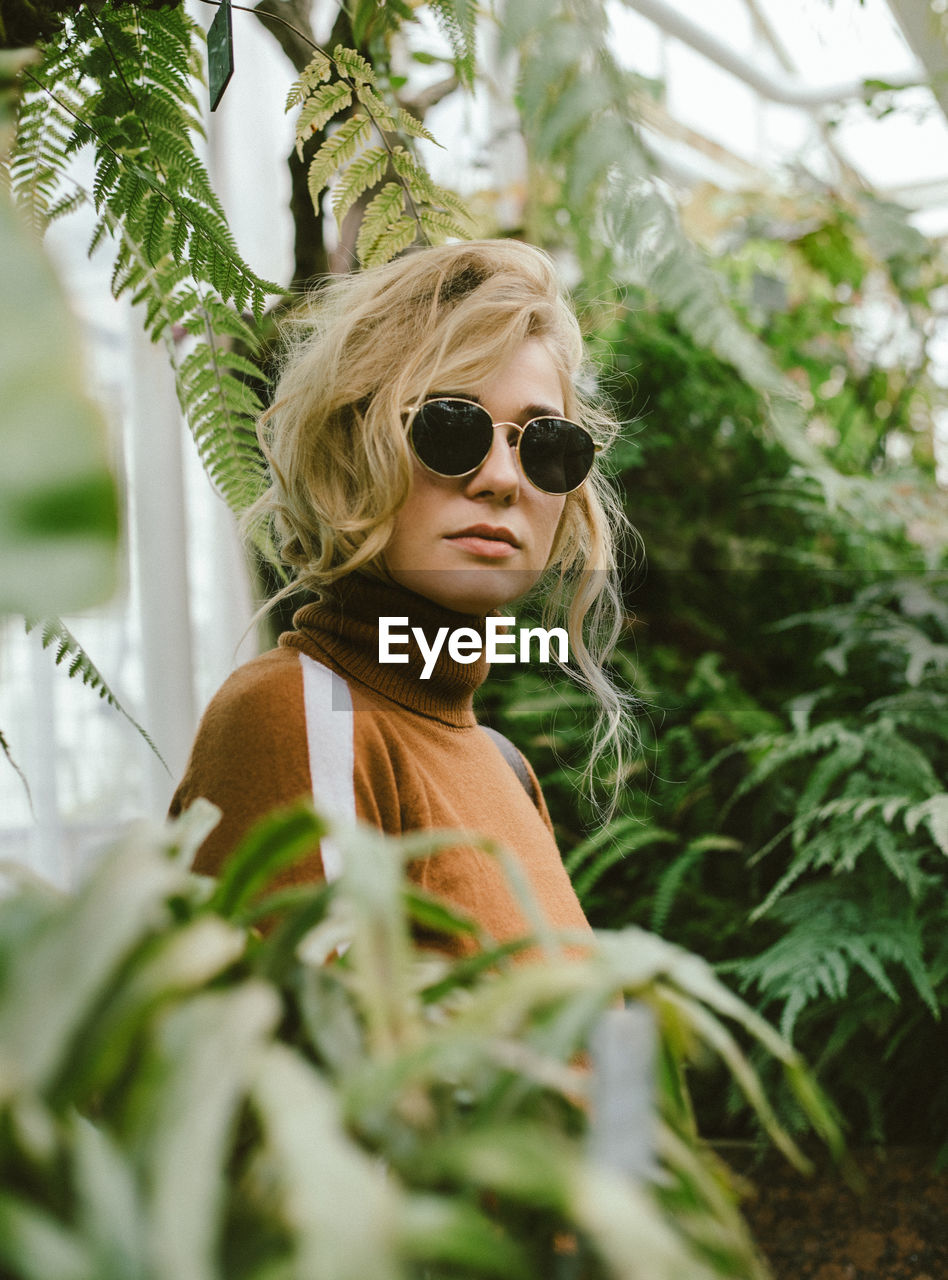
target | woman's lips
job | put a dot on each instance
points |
(478, 545)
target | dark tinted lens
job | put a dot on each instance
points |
(452, 437)
(556, 455)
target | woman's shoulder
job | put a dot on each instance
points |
(249, 754)
(263, 687)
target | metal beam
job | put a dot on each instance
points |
(926, 34)
(774, 86)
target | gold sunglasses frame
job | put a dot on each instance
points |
(415, 409)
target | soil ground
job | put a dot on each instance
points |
(820, 1229)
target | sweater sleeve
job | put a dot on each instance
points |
(249, 758)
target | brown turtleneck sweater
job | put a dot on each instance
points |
(320, 716)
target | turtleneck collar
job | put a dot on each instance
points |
(343, 633)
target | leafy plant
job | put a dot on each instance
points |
(404, 203)
(784, 642)
(120, 82)
(861, 815)
(182, 1094)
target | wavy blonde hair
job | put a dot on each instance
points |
(365, 346)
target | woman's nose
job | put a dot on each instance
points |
(499, 474)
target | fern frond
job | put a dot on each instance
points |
(55, 635)
(828, 936)
(458, 20)
(838, 764)
(127, 78)
(425, 190)
(365, 172)
(352, 64)
(392, 119)
(41, 152)
(438, 226)
(359, 167)
(924, 710)
(671, 878)
(339, 147)
(622, 841)
(381, 215)
(391, 242)
(317, 70)
(381, 114)
(900, 760)
(933, 812)
(412, 127)
(319, 108)
(834, 735)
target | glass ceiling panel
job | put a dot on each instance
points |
(811, 43)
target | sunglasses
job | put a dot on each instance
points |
(452, 437)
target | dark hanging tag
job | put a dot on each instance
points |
(220, 53)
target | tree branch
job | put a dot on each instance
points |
(292, 30)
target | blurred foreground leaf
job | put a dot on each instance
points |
(58, 503)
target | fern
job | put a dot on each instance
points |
(611, 850)
(43, 133)
(671, 878)
(318, 70)
(458, 20)
(120, 82)
(362, 174)
(340, 146)
(366, 154)
(860, 891)
(827, 937)
(320, 107)
(55, 635)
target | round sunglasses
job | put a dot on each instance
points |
(452, 437)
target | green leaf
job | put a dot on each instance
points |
(365, 172)
(317, 70)
(185, 960)
(319, 108)
(339, 147)
(55, 633)
(353, 65)
(37, 1247)
(435, 1229)
(274, 843)
(383, 213)
(72, 959)
(934, 813)
(110, 1210)
(431, 913)
(183, 1125)
(343, 1209)
(390, 242)
(58, 502)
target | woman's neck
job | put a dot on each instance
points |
(413, 665)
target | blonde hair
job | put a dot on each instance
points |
(366, 345)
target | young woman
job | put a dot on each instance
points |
(432, 461)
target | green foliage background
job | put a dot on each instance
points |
(789, 644)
